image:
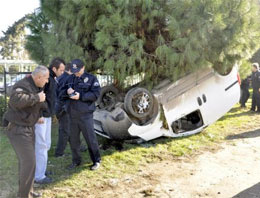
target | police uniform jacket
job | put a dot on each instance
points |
(24, 107)
(88, 87)
(256, 80)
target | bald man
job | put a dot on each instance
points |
(26, 103)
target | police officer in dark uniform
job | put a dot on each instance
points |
(256, 87)
(244, 91)
(81, 90)
(62, 113)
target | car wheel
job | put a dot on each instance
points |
(139, 102)
(108, 97)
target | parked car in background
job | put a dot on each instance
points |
(170, 109)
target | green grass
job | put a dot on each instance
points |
(116, 164)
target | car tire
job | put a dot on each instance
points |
(108, 97)
(139, 102)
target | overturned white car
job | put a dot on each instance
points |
(176, 109)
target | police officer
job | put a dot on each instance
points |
(256, 87)
(244, 91)
(81, 91)
(62, 113)
(24, 109)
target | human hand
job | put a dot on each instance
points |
(70, 91)
(75, 97)
(42, 96)
(41, 120)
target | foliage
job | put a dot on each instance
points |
(13, 41)
(2, 107)
(14, 69)
(162, 39)
(39, 26)
(245, 69)
(256, 57)
(1, 69)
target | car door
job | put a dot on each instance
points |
(218, 94)
(181, 99)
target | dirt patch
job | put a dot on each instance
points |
(232, 171)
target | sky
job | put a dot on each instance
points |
(13, 10)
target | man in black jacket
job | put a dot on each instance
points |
(62, 114)
(24, 109)
(81, 90)
(244, 91)
(43, 127)
(256, 87)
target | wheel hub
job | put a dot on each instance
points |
(144, 103)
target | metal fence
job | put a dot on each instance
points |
(7, 80)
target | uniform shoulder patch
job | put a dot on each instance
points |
(96, 84)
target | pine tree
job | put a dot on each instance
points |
(39, 27)
(13, 41)
(159, 38)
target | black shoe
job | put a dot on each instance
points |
(73, 166)
(95, 166)
(59, 155)
(48, 173)
(45, 180)
(34, 194)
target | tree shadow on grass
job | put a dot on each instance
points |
(245, 135)
(236, 112)
(58, 166)
(252, 192)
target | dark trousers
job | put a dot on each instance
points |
(256, 100)
(64, 133)
(85, 125)
(244, 96)
(23, 141)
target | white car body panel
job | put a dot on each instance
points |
(205, 92)
(184, 101)
(148, 132)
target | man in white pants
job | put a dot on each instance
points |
(43, 126)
